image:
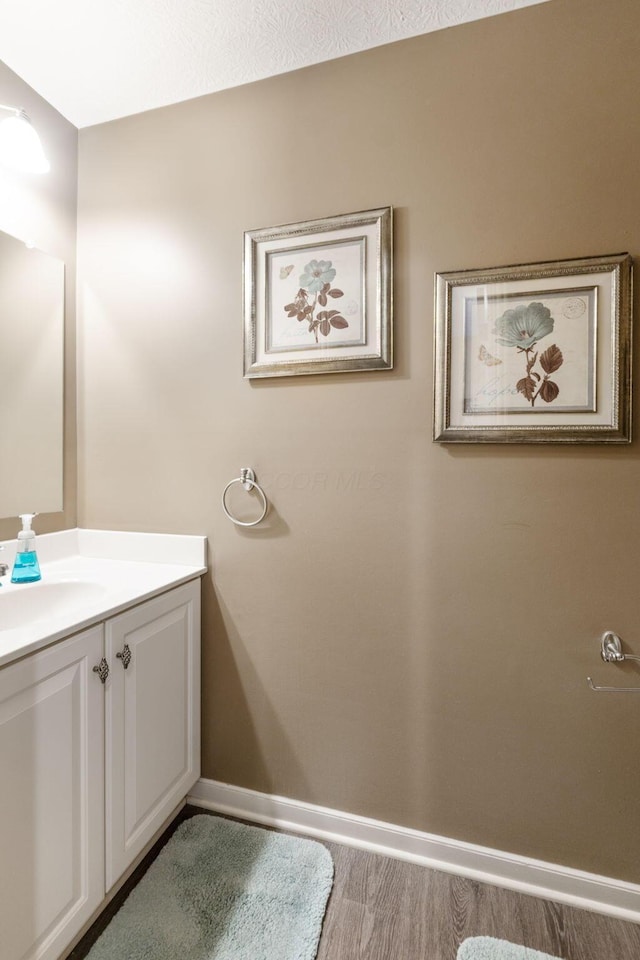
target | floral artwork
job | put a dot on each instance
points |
(522, 327)
(318, 296)
(530, 352)
(534, 353)
(315, 281)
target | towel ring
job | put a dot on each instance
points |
(248, 480)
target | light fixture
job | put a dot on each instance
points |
(20, 146)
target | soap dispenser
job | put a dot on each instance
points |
(26, 568)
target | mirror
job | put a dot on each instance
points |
(31, 379)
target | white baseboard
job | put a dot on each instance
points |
(537, 878)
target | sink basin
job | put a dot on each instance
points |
(30, 603)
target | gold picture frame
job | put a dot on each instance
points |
(318, 296)
(534, 353)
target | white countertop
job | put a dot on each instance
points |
(88, 576)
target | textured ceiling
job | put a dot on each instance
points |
(96, 60)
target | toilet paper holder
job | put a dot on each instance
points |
(611, 652)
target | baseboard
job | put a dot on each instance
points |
(537, 878)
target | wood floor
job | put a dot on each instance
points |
(383, 909)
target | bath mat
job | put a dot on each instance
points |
(487, 948)
(221, 890)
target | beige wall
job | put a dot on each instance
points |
(43, 209)
(408, 636)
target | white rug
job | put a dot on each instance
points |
(220, 890)
(487, 948)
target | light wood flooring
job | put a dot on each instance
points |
(383, 909)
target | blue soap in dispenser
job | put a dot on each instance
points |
(26, 568)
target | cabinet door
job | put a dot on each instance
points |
(152, 719)
(51, 797)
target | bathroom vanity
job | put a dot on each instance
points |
(99, 723)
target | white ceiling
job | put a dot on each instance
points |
(97, 60)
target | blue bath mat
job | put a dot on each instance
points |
(220, 890)
(487, 948)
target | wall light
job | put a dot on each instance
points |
(20, 146)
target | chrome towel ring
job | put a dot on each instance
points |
(248, 480)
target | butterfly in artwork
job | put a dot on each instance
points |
(485, 357)
(285, 271)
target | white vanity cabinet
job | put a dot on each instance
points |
(89, 771)
(51, 797)
(152, 719)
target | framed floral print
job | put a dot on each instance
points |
(535, 353)
(317, 296)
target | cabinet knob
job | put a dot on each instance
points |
(102, 670)
(124, 655)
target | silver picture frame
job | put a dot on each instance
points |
(318, 296)
(534, 353)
